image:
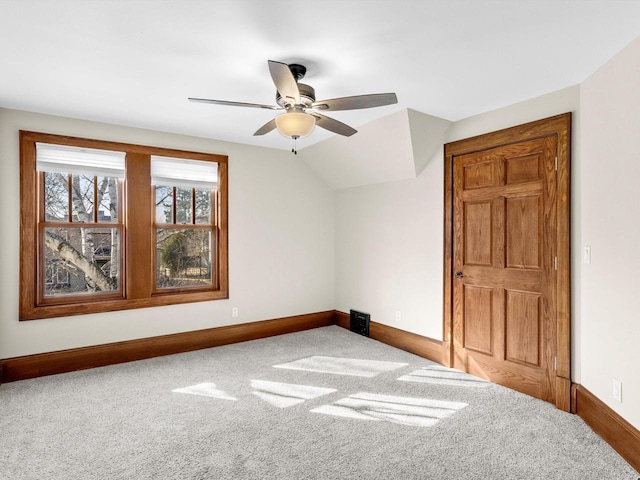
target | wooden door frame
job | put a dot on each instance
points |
(560, 127)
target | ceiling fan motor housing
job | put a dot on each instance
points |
(307, 96)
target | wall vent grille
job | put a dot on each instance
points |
(360, 322)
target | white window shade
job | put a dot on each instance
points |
(181, 172)
(79, 161)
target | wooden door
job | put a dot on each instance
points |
(513, 251)
(504, 259)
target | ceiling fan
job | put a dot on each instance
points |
(300, 105)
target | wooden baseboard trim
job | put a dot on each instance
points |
(411, 342)
(342, 319)
(623, 437)
(38, 365)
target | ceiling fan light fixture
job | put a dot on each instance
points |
(295, 124)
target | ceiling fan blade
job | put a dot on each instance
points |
(266, 128)
(356, 102)
(285, 82)
(333, 125)
(234, 104)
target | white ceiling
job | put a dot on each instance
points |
(135, 62)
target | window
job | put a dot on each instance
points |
(79, 221)
(184, 237)
(111, 226)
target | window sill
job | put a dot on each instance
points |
(84, 308)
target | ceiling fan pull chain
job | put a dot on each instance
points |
(294, 148)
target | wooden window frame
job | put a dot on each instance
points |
(138, 252)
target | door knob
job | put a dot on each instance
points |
(459, 275)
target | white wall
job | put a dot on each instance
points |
(389, 250)
(281, 250)
(610, 224)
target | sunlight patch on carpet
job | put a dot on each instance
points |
(444, 376)
(417, 412)
(283, 395)
(206, 389)
(342, 366)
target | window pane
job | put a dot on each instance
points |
(164, 204)
(108, 199)
(81, 260)
(203, 206)
(82, 191)
(183, 258)
(56, 197)
(183, 205)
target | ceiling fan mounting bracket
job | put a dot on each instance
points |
(298, 71)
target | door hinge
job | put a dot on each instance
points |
(555, 363)
(556, 164)
(555, 263)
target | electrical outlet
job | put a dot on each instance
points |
(617, 390)
(234, 312)
(398, 316)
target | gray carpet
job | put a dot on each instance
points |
(321, 404)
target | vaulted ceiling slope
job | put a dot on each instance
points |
(135, 62)
(395, 147)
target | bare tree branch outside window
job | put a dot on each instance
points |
(82, 253)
